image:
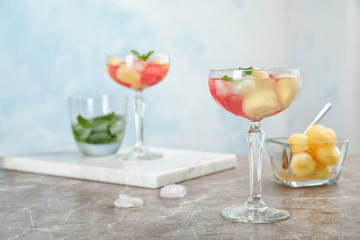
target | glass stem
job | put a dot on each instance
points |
(139, 108)
(255, 139)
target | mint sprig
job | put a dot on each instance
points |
(143, 57)
(99, 130)
(226, 78)
(93, 122)
(229, 79)
(246, 72)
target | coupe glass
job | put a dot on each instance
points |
(255, 94)
(138, 73)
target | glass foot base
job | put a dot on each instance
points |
(241, 214)
(141, 153)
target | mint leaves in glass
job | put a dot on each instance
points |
(99, 130)
(98, 123)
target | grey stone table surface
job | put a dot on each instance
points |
(34, 206)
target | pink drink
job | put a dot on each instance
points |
(254, 94)
(138, 71)
(255, 98)
(139, 74)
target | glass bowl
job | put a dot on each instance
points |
(98, 123)
(306, 164)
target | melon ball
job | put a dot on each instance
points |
(322, 171)
(331, 133)
(302, 164)
(328, 155)
(287, 89)
(260, 103)
(298, 143)
(259, 74)
(322, 135)
(113, 61)
(128, 75)
(319, 133)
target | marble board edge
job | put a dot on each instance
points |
(25, 163)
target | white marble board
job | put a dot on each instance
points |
(175, 166)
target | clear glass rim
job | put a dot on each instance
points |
(260, 69)
(283, 141)
(98, 97)
(131, 54)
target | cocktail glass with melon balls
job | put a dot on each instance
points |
(138, 72)
(255, 94)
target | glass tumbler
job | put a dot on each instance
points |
(98, 123)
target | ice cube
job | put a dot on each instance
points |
(220, 88)
(100, 127)
(81, 132)
(99, 137)
(223, 87)
(125, 201)
(117, 127)
(173, 191)
(139, 65)
(245, 86)
(237, 75)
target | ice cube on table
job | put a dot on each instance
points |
(173, 191)
(125, 201)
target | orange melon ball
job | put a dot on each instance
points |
(321, 134)
(128, 75)
(322, 171)
(332, 134)
(298, 143)
(302, 164)
(328, 155)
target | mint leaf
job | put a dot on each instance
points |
(84, 122)
(136, 53)
(246, 72)
(226, 78)
(148, 55)
(143, 57)
(110, 117)
(80, 133)
(229, 79)
(99, 130)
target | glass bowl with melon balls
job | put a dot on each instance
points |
(311, 159)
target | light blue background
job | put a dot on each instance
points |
(50, 50)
